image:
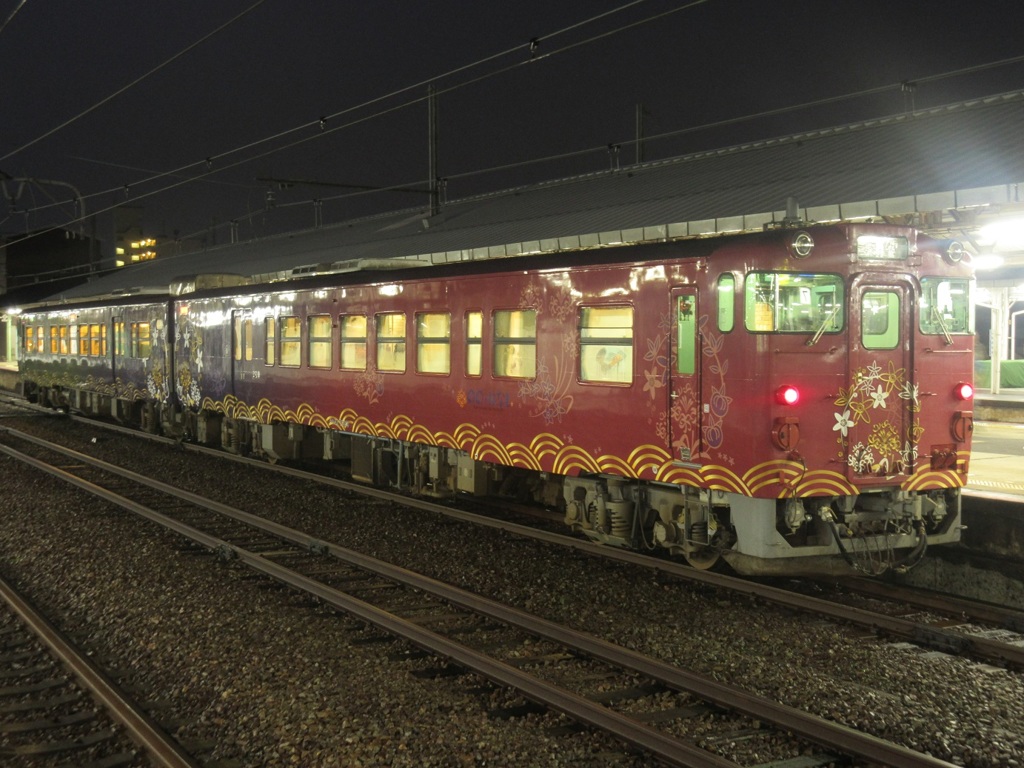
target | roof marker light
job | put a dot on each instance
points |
(801, 245)
(787, 395)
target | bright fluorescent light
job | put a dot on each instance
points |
(987, 261)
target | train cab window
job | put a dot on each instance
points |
(270, 340)
(321, 342)
(726, 302)
(946, 305)
(142, 342)
(353, 342)
(880, 320)
(433, 342)
(474, 343)
(54, 343)
(515, 343)
(291, 341)
(390, 327)
(606, 344)
(793, 302)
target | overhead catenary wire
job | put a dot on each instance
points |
(133, 83)
(11, 15)
(210, 160)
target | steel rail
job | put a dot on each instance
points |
(576, 707)
(935, 637)
(807, 725)
(143, 731)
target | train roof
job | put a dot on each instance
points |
(936, 160)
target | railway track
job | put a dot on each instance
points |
(57, 704)
(602, 685)
(986, 632)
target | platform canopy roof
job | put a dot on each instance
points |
(944, 169)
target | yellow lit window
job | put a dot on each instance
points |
(320, 341)
(142, 342)
(515, 343)
(391, 342)
(433, 342)
(353, 342)
(270, 343)
(474, 343)
(606, 344)
(291, 341)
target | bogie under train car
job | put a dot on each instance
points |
(792, 401)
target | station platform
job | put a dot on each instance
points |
(1007, 405)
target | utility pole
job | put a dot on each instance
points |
(432, 142)
(639, 133)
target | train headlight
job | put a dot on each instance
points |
(787, 395)
(963, 391)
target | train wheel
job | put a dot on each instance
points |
(703, 559)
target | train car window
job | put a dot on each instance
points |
(353, 342)
(291, 342)
(83, 340)
(247, 338)
(54, 344)
(73, 330)
(142, 341)
(94, 340)
(237, 335)
(946, 305)
(390, 328)
(63, 339)
(103, 339)
(120, 343)
(880, 320)
(270, 340)
(726, 302)
(474, 343)
(686, 336)
(606, 344)
(321, 342)
(515, 343)
(30, 338)
(433, 342)
(793, 302)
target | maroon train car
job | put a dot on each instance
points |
(792, 401)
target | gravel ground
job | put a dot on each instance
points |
(272, 684)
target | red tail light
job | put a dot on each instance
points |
(964, 391)
(787, 395)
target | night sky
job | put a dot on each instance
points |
(275, 70)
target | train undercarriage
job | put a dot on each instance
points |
(871, 533)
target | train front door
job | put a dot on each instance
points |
(685, 404)
(875, 412)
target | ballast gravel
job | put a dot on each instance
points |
(265, 680)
